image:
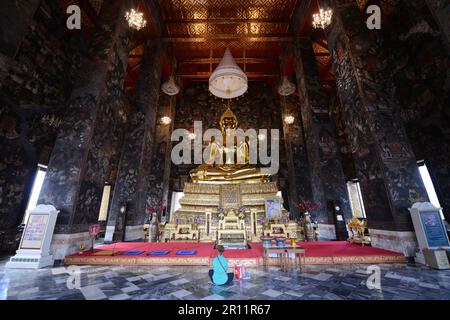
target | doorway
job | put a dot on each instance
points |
(431, 191)
(36, 190)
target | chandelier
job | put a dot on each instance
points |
(170, 87)
(135, 19)
(228, 81)
(322, 19)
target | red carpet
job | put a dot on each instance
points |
(333, 252)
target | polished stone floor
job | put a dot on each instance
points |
(398, 281)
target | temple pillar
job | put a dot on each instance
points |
(327, 176)
(297, 161)
(440, 9)
(135, 167)
(16, 20)
(385, 164)
(161, 163)
(422, 87)
(89, 137)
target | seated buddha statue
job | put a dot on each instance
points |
(228, 164)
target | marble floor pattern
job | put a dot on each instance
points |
(338, 282)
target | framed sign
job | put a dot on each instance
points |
(34, 249)
(94, 230)
(429, 227)
(273, 208)
(34, 231)
(434, 229)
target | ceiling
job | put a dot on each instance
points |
(254, 30)
(198, 31)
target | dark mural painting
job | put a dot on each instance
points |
(91, 130)
(35, 85)
(327, 176)
(422, 87)
(297, 159)
(383, 157)
(161, 163)
(134, 182)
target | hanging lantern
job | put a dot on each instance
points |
(228, 81)
(289, 119)
(286, 87)
(166, 120)
(170, 87)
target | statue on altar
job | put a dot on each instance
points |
(154, 229)
(236, 201)
(228, 164)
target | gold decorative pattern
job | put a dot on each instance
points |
(248, 262)
(230, 196)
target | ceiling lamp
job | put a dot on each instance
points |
(228, 81)
(135, 19)
(166, 120)
(170, 87)
(286, 87)
(322, 19)
(289, 119)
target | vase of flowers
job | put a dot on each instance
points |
(306, 208)
(81, 248)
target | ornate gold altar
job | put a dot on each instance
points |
(228, 201)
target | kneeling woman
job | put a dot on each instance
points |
(219, 273)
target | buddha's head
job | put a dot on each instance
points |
(228, 121)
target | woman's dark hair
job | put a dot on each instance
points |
(220, 248)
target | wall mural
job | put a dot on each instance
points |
(297, 158)
(91, 130)
(327, 176)
(106, 144)
(385, 163)
(421, 87)
(34, 88)
(135, 182)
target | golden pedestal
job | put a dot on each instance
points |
(201, 201)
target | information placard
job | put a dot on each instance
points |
(34, 231)
(434, 229)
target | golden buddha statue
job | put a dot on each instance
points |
(228, 164)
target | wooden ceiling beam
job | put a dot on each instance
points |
(245, 60)
(322, 43)
(206, 75)
(230, 37)
(226, 21)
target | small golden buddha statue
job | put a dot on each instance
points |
(228, 164)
